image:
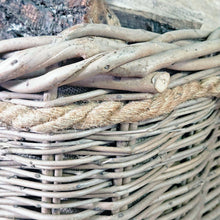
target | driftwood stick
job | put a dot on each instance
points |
(155, 82)
(103, 30)
(197, 64)
(36, 58)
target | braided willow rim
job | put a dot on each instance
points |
(152, 152)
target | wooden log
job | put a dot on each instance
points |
(162, 15)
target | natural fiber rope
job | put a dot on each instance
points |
(106, 113)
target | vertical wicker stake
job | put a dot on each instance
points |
(57, 173)
(118, 182)
(204, 178)
(127, 180)
(50, 95)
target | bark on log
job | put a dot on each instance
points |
(20, 18)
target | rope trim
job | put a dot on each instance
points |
(93, 114)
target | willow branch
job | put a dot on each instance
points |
(103, 63)
(197, 64)
(12, 95)
(47, 81)
(122, 97)
(152, 83)
(60, 101)
(24, 43)
(186, 78)
(185, 42)
(103, 30)
(130, 61)
(164, 59)
(36, 58)
(181, 35)
(36, 73)
(98, 64)
(215, 34)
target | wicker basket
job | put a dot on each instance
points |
(69, 152)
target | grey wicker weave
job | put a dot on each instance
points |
(143, 143)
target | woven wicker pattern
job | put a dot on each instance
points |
(168, 165)
(104, 153)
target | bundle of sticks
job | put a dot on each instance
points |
(109, 57)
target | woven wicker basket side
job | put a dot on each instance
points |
(107, 154)
(167, 169)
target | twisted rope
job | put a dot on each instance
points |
(96, 114)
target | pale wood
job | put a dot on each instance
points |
(177, 14)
